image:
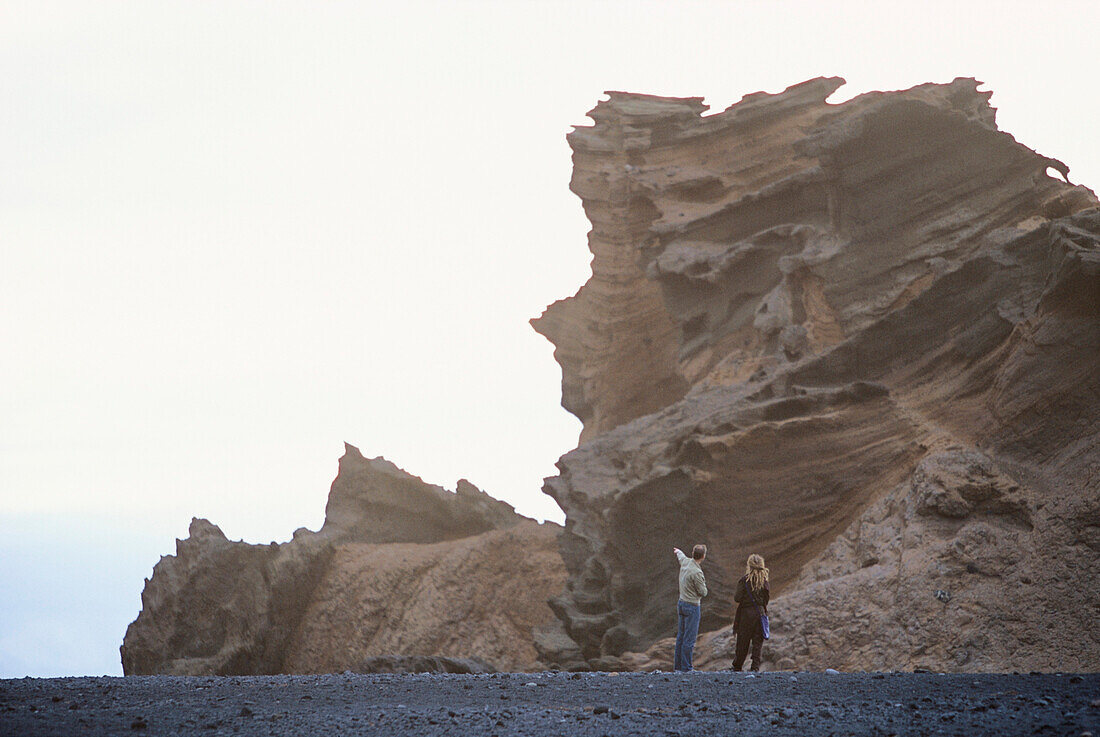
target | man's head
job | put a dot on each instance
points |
(699, 552)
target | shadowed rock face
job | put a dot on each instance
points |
(859, 339)
(375, 501)
(399, 568)
(221, 607)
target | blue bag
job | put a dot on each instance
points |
(763, 615)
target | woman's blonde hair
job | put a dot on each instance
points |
(755, 572)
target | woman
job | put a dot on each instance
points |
(752, 597)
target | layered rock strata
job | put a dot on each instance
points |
(399, 568)
(860, 339)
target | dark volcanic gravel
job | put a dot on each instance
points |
(598, 704)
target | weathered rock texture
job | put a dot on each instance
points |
(399, 568)
(477, 596)
(860, 339)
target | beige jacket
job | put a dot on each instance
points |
(693, 585)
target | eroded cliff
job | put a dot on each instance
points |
(861, 339)
(400, 567)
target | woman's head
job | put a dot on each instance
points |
(755, 572)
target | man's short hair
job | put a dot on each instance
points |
(698, 552)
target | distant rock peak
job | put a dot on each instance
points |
(375, 501)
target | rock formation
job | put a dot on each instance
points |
(399, 568)
(476, 597)
(861, 339)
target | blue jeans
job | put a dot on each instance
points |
(687, 629)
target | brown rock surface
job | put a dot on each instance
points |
(479, 595)
(400, 567)
(861, 339)
(221, 607)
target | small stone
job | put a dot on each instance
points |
(139, 723)
(794, 679)
(615, 715)
(601, 709)
(832, 671)
(1076, 679)
(245, 712)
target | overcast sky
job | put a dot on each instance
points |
(235, 235)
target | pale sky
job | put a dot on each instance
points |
(235, 235)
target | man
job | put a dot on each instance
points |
(693, 587)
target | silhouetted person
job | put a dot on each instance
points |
(752, 597)
(693, 587)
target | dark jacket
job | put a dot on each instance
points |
(747, 618)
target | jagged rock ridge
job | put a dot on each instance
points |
(860, 339)
(399, 568)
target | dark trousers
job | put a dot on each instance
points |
(687, 629)
(750, 634)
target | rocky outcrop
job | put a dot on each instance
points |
(477, 596)
(375, 501)
(399, 568)
(859, 339)
(221, 607)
